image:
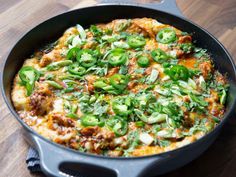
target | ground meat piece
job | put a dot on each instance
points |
(113, 71)
(214, 97)
(185, 39)
(186, 98)
(73, 143)
(179, 53)
(148, 70)
(61, 120)
(89, 34)
(90, 81)
(63, 128)
(220, 78)
(89, 131)
(132, 61)
(206, 68)
(90, 87)
(105, 134)
(188, 120)
(48, 58)
(95, 139)
(139, 87)
(132, 84)
(216, 109)
(132, 65)
(41, 100)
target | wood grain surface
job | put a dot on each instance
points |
(18, 16)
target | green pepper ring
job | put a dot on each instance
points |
(23, 76)
(91, 120)
(178, 72)
(119, 81)
(28, 82)
(166, 36)
(159, 55)
(143, 61)
(136, 41)
(76, 69)
(86, 58)
(117, 57)
(72, 53)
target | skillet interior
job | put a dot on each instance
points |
(53, 28)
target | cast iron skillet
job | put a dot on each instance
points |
(57, 160)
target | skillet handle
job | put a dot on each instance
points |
(169, 6)
(53, 158)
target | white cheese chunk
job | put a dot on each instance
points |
(58, 105)
(146, 138)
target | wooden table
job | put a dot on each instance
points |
(18, 16)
